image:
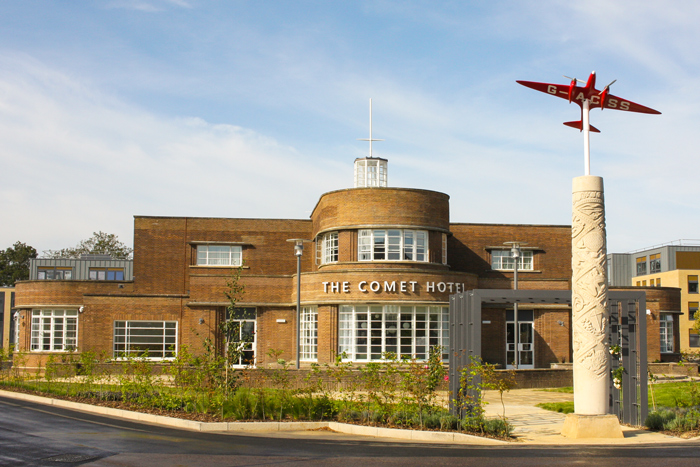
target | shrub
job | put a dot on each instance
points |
(657, 420)
(498, 427)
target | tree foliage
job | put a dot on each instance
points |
(100, 243)
(14, 263)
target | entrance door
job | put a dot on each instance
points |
(244, 332)
(526, 348)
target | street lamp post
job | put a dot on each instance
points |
(515, 254)
(298, 252)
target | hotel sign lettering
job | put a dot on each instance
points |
(393, 287)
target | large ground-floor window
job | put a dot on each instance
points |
(153, 339)
(309, 334)
(367, 332)
(54, 330)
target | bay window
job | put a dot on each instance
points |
(367, 332)
(392, 245)
(54, 330)
(666, 333)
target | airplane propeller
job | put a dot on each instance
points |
(574, 79)
(604, 93)
(572, 86)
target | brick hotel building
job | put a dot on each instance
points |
(376, 274)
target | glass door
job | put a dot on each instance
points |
(526, 347)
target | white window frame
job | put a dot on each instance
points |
(54, 330)
(137, 332)
(392, 245)
(244, 317)
(370, 173)
(219, 255)
(502, 260)
(666, 333)
(15, 324)
(330, 248)
(308, 349)
(366, 332)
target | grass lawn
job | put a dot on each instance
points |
(665, 395)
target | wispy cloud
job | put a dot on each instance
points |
(84, 161)
(150, 6)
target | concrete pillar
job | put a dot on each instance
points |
(590, 315)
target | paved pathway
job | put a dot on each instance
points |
(534, 425)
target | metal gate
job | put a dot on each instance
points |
(627, 308)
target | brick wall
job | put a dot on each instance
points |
(467, 250)
(401, 207)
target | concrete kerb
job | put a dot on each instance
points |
(259, 427)
(532, 425)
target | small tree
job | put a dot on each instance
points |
(231, 330)
(101, 243)
(14, 263)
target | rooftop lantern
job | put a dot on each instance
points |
(370, 171)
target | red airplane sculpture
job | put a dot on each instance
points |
(587, 97)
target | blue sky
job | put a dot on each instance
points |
(110, 109)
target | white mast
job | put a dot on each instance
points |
(370, 171)
(370, 130)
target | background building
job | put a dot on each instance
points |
(676, 264)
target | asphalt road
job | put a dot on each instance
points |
(38, 435)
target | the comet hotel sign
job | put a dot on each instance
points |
(392, 287)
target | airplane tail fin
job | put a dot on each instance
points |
(579, 126)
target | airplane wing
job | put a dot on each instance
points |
(618, 103)
(559, 90)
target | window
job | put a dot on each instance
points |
(365, 332)
(641, 266)
(218, 255)
(106, 274)
(153, 339)
(14, 336)
(370, 172)
(644, 283)
(329, 246)
(694, 339)
(692, 284)
(444, 248)
(54, 330)
(309, 334)
(655, 263)
(666, 330)
(503, 261)
(53, 273)
(244, 331)
(658, 282)
(392, 245)
(692, 309)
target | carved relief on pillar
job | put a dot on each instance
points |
(589, 284)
